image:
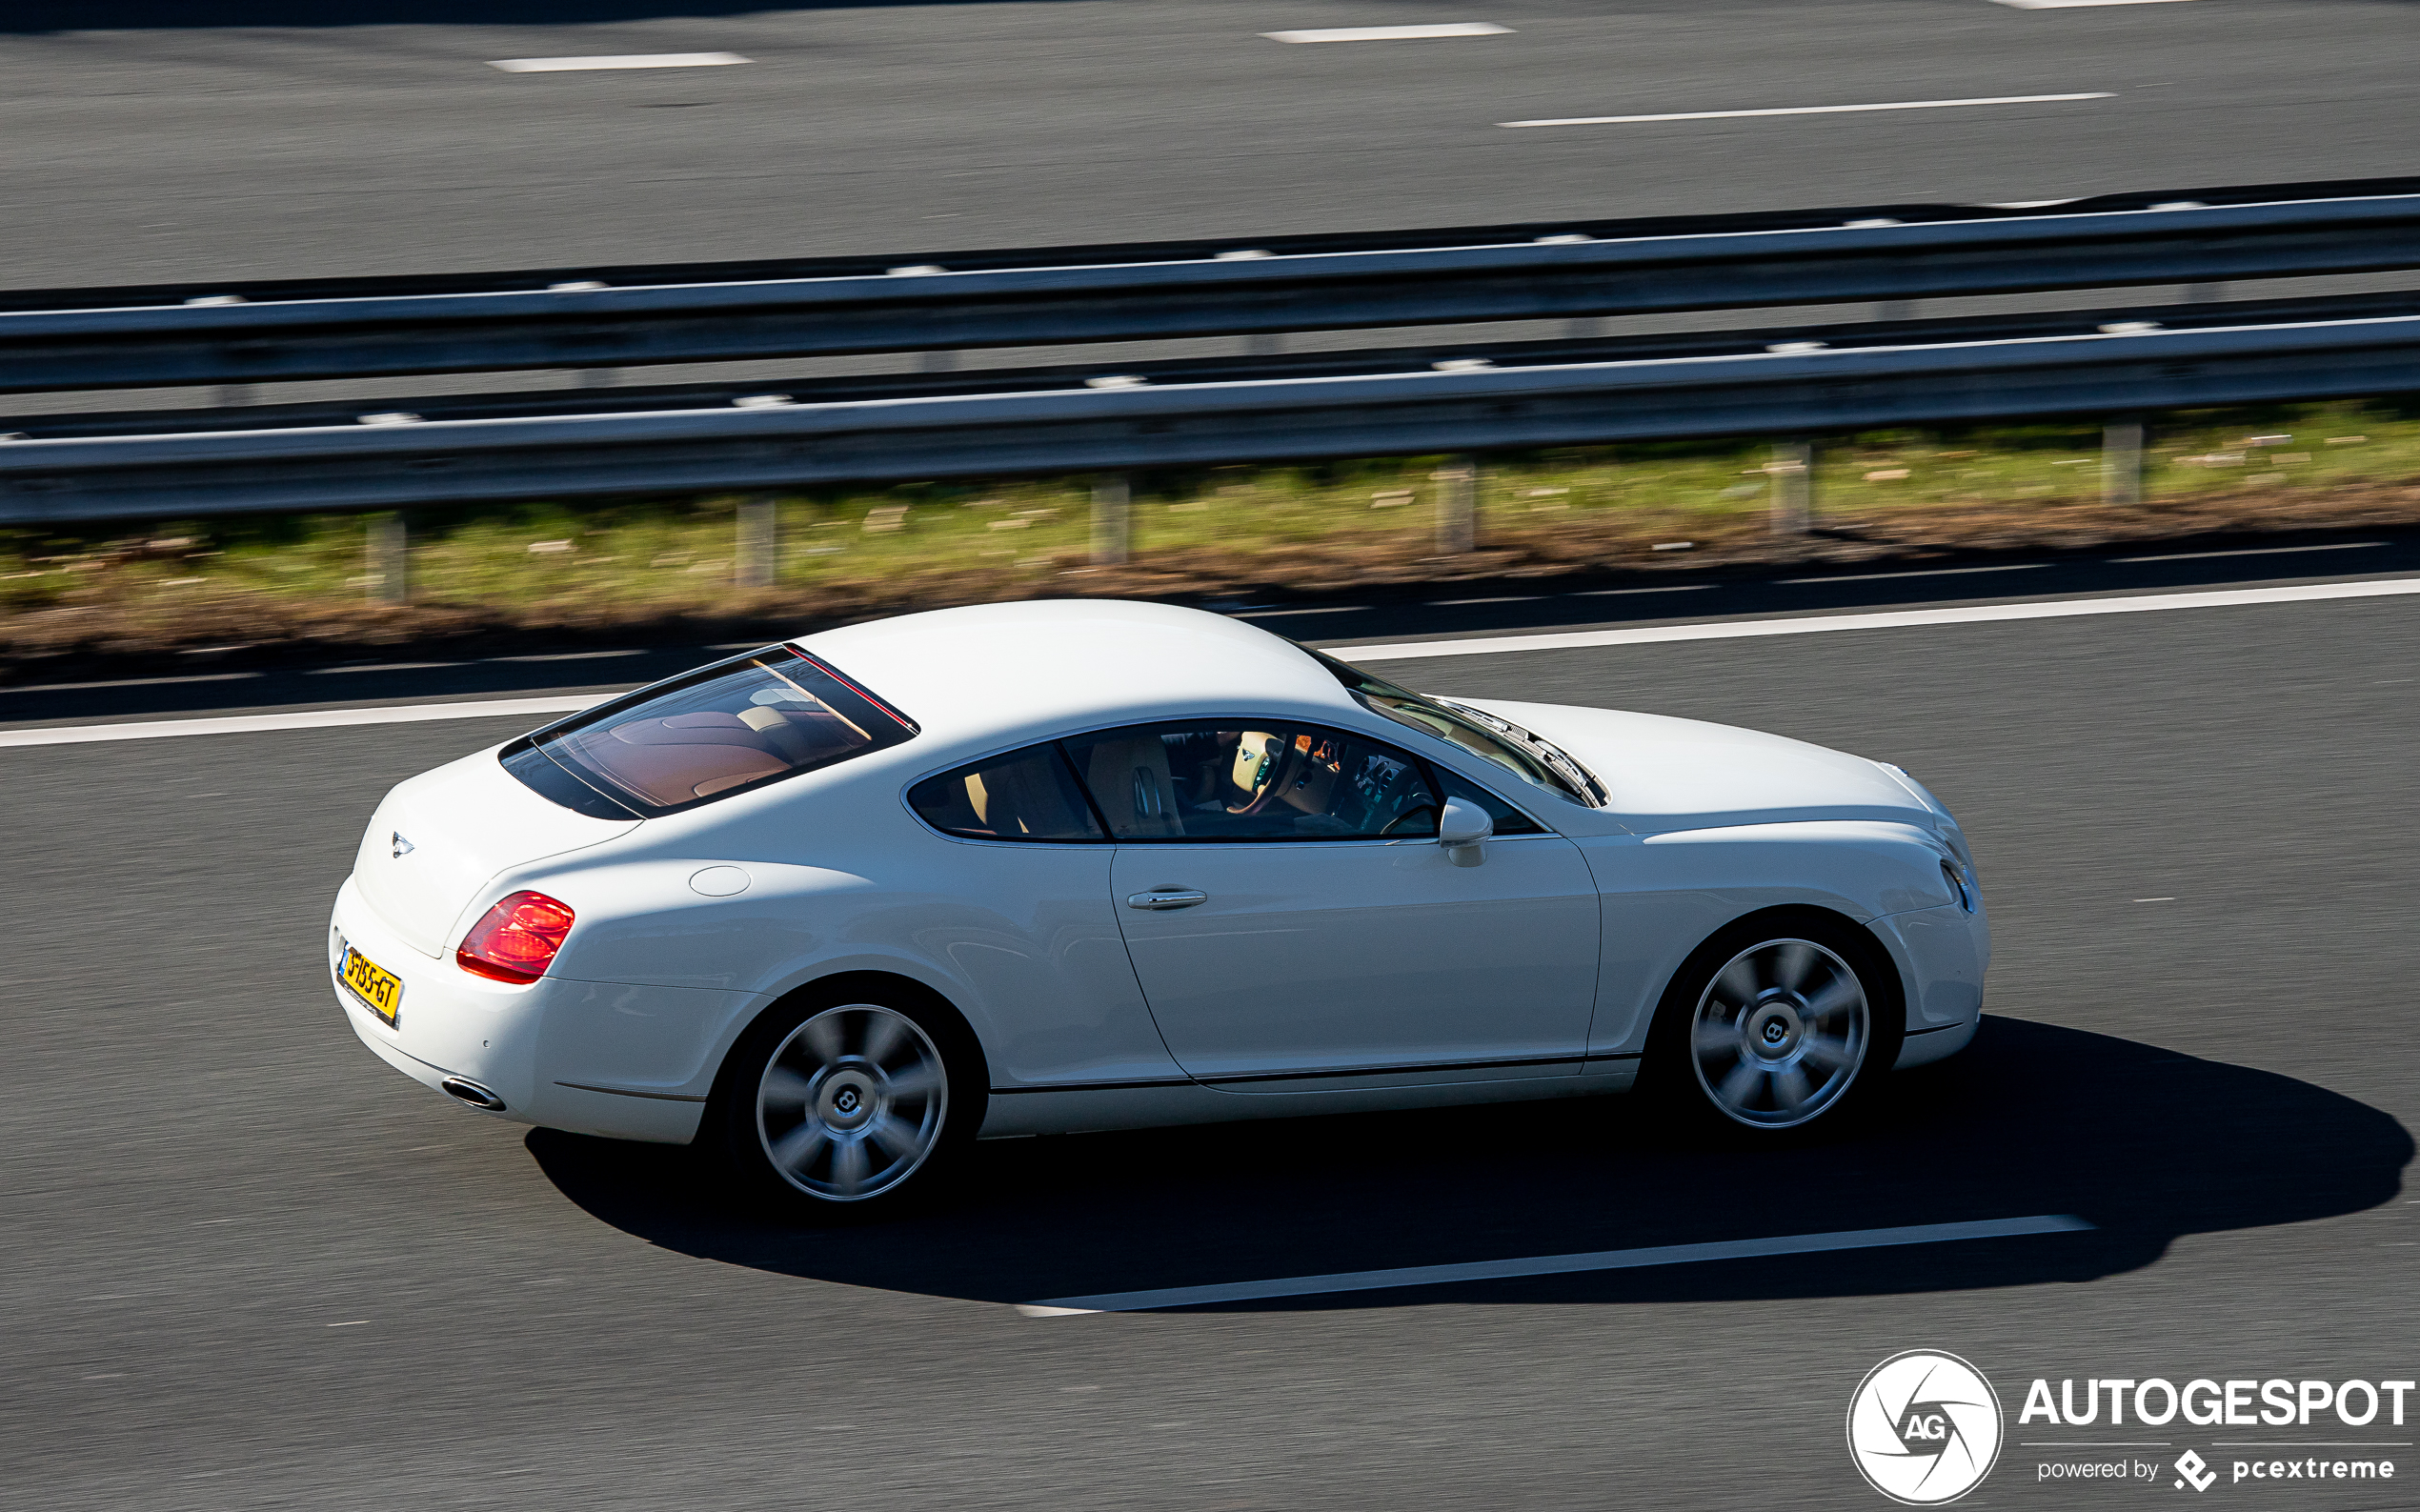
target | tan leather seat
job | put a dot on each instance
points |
(690, 756)
(1131, 782)
(1026, 797)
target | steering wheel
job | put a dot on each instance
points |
(1284, 767)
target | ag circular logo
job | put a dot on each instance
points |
(1924, 1427)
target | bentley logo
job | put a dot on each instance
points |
(403, 847)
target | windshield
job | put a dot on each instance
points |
(1482, 734)
(720, 730)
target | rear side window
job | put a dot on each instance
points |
(721, 730)
(1024, 795)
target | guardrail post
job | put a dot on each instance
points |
(387, 556)
(2122, 463)
(1457, 506)
(758, 558)
(1113, 519)
(1793, 474)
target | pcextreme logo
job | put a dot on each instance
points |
(1924, 1427)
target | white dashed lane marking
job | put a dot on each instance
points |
(2076, 5)
(1928, 571)
(1450, 28)
(634, 60)
(1813, 109)
(2254, 551)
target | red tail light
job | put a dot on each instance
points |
(517, 939)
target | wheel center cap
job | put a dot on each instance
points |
(847, 1099)
(1774, 1030)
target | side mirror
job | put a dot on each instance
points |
(1463, 829)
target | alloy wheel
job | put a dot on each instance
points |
(852, 1103)
(1779, 1032)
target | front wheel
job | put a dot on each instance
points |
(1772, 1028)
(845, 1107)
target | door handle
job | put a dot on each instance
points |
(1166, 897)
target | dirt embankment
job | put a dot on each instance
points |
(118, 623)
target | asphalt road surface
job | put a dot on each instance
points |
(247, 1265)
(149, 142)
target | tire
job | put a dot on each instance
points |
(850, 1102)
(1781, 1022)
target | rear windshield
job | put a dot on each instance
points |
(721, 730)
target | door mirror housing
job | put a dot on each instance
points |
(1463, 829)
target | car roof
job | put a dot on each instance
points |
(965, 673)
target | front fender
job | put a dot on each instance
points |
(1661, 896)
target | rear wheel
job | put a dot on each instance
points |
(1773, 1026)
(848, 1106)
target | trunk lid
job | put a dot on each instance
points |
(439, 837)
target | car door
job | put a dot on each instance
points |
(1015, 908)
(1292, 918)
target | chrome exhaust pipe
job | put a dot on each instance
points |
(462, 1089)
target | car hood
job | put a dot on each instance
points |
(1666, 773)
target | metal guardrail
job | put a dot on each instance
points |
(1229, 368)
(321, 467)
(631, 317)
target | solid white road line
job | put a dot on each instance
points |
(635, 60)
(1611, 1259)
(312, 719)
(2076, 5)
(1717, 630)
(1451, 29)
(1896, 619)
(1813, 109)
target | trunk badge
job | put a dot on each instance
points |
(403, 847)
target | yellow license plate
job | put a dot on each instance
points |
(378, 988)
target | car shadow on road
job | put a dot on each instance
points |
(2144, 1144)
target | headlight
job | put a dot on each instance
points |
(1961, 886)
(1956, 839)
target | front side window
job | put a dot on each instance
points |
(1508, 821)
(1253, 780)
(1024, 795)
(1482, 734)
(721, 730)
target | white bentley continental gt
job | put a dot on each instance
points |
(840, 906)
